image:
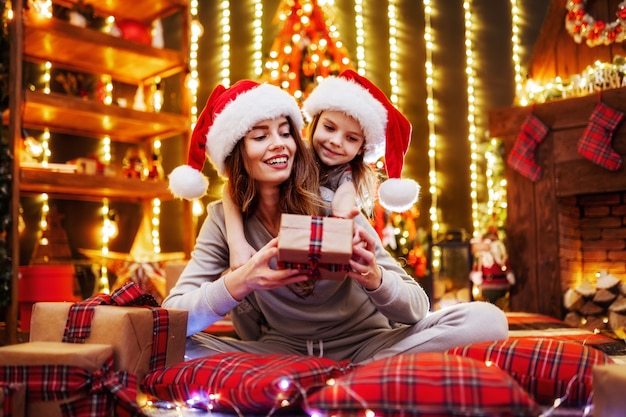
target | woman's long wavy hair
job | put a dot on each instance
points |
(364, 178)
(299, 194)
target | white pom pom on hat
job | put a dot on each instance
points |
(228, 115)
(387, 131)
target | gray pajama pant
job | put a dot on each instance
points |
(439, 331)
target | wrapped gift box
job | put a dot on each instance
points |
(56, 373)
(302, 239)
(130, 330)
(12, 400)
(609, 386)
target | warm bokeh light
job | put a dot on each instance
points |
(360, 37)
(392, 14)
(429, 43)
(224, 10)
(257, 45)
(470, 72)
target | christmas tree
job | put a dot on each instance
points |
(307, 47)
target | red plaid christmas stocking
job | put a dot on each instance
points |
(522, 156)
(595, 144)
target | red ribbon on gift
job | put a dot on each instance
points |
(101, 393)
(80, 316)
(315, 253)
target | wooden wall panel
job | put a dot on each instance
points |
(557, 54)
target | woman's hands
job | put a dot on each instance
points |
(363, 267)
(256, 273)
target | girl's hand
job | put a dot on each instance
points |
(363, 267)
(256, 273)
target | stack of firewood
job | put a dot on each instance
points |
(597, 307)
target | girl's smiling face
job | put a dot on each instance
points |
(338, 138)
(270, 147)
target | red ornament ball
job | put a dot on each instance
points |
(136, 31)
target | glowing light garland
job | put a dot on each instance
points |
(224, 10)
(471, 112)
(193, 82)
(360, 37)
(392, 13)
(156, 221)
(43, 221)
(597, 77)
(103, 284)
(257, 45)
(516, 47)
(430, 108)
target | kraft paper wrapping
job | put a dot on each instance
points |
(294, 239)
(90, 357)
(609, 386)
(127, 329)
(16, 394)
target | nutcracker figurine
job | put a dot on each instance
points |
(491, 276)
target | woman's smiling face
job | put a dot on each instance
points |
(270, 148)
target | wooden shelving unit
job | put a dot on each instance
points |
(75, 116)
(87, 50)
(84, 50)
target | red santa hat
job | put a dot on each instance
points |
(229, 114)
(387, 132)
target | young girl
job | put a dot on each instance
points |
(352, 125)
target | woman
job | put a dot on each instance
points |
(251, 134)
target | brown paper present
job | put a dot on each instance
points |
(301, 239)
(12, 400)
(128, 329)
(609, 386)
(54, 370)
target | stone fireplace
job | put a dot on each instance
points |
(570, 224)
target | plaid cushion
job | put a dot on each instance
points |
(546, 368)
(423, 384)
(243, 382)
(536, 325)
(12, 399)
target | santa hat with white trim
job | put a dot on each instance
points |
(229, 114)
(387, 132)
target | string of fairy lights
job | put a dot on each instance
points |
(224, 27)
(361, 64)
(257, 42)
(470, 72)
(429, 43)
(392, 15)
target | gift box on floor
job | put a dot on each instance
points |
(320, 245)
(143, 339)
(68, 377)
(12, 400)
(609, 386)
